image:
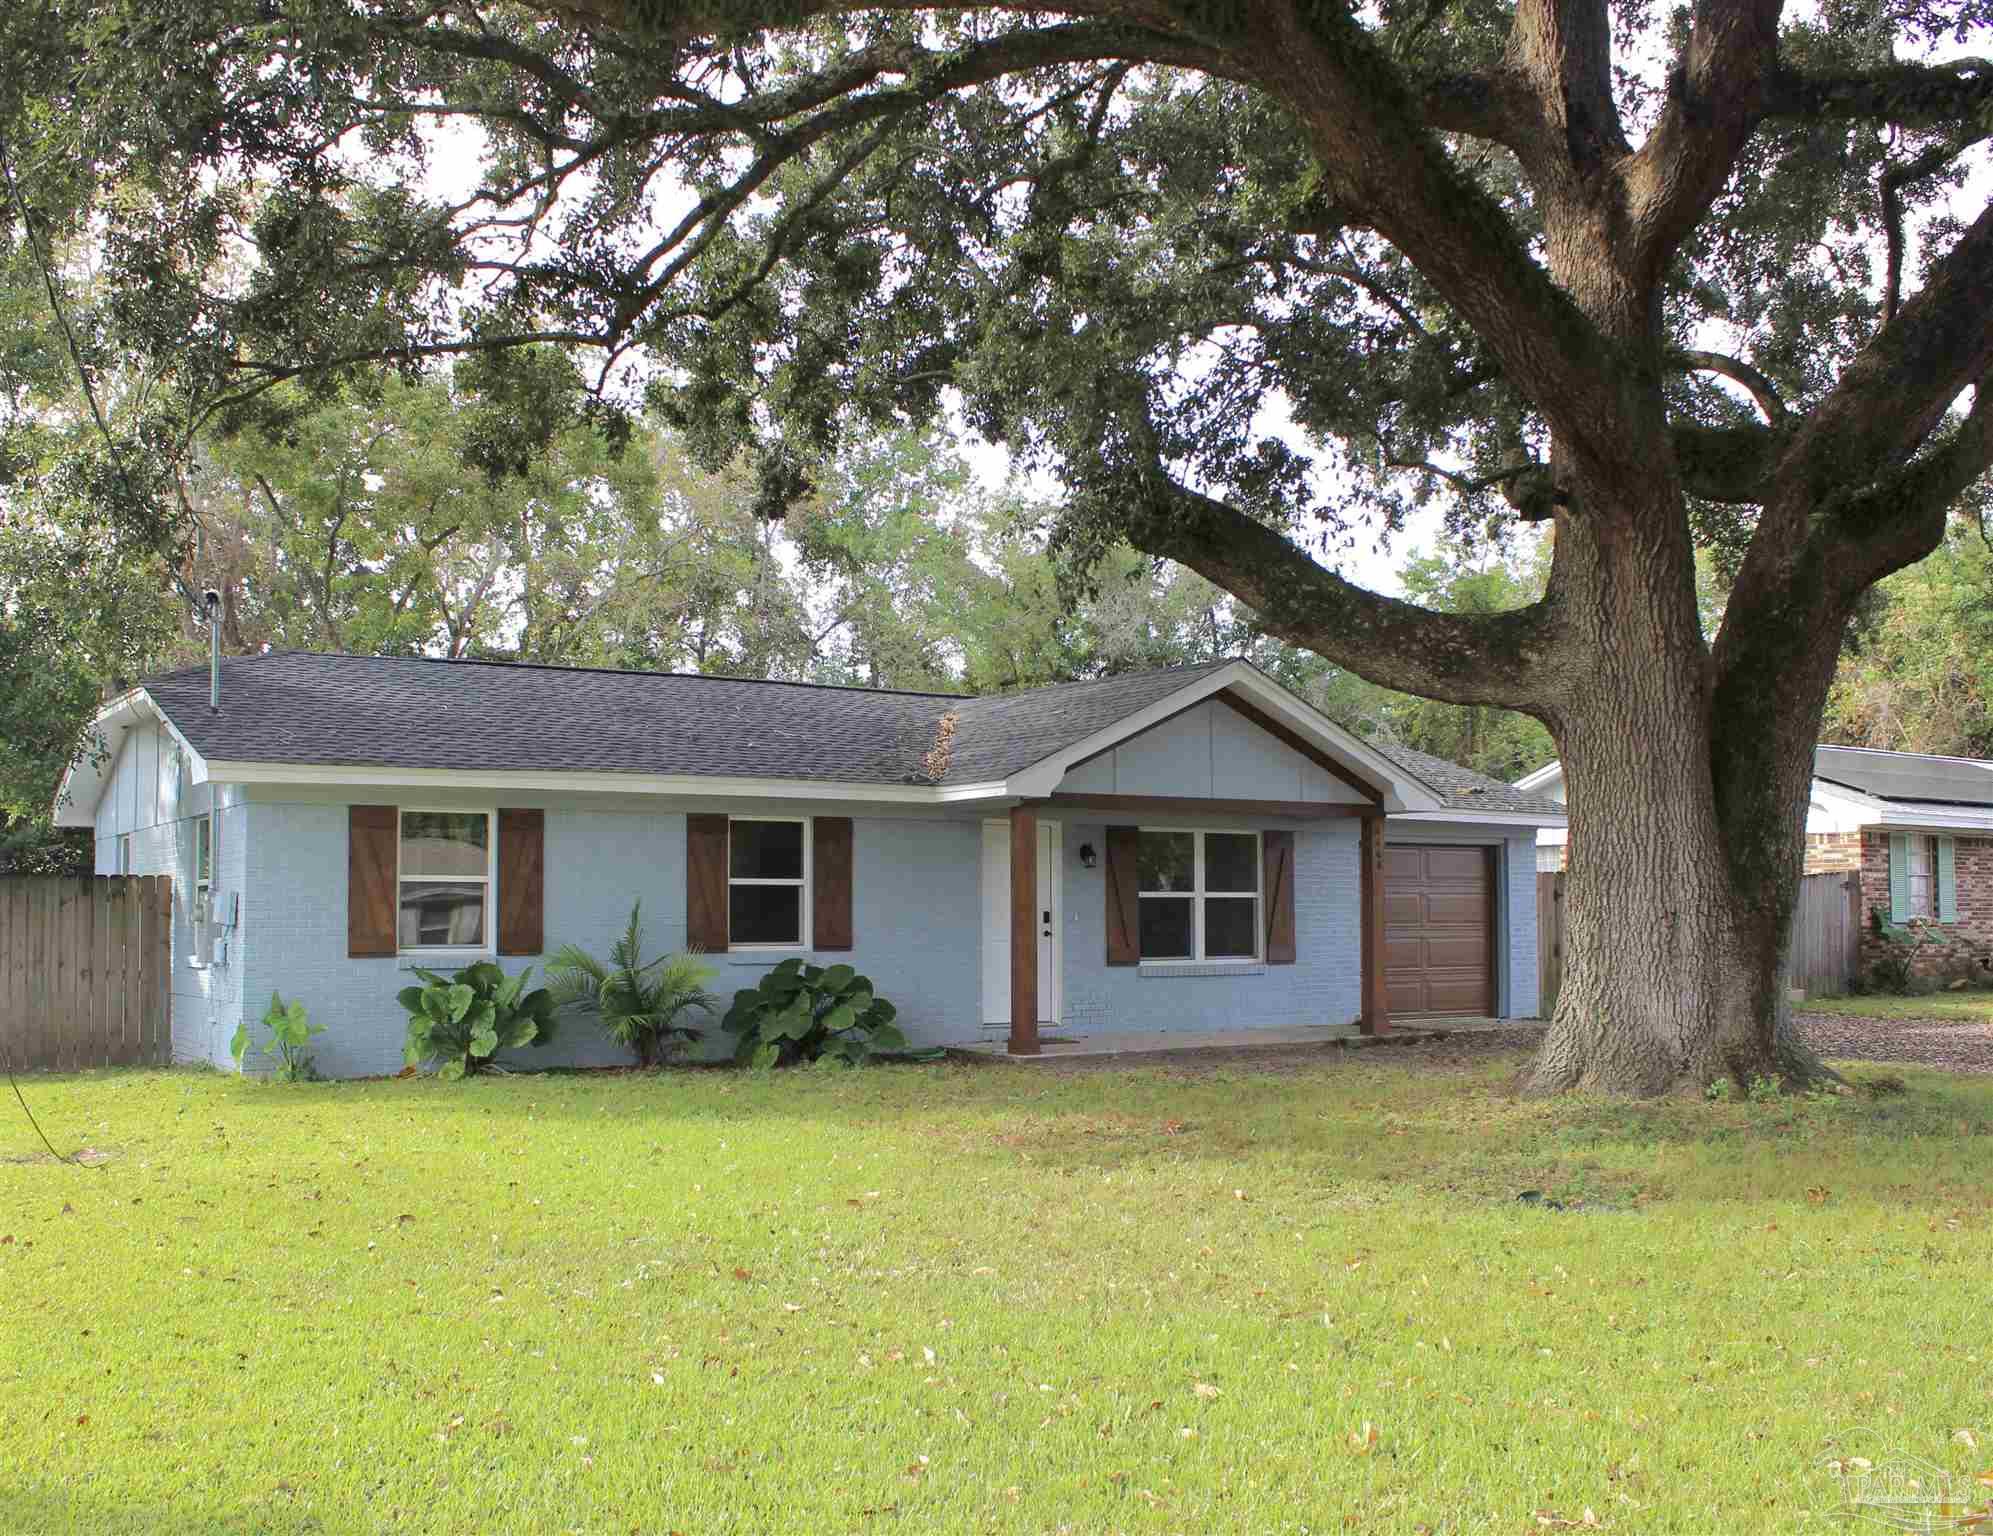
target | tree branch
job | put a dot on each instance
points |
(1562, 49)
(1463, 659)
(1716, 92)
(1740, 372)
(1909, 95)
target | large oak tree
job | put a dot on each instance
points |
(1238, 271)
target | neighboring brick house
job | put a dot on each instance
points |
(1919, 830)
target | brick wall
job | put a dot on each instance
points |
(1958, 949)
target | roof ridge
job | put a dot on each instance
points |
(560, 666)
(1929, 757)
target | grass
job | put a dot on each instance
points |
(945, 1299)
(1976, 1005)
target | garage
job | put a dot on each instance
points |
(1439, 930)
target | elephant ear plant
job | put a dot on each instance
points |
(290, 1036)
(461, 1022)
(804, 1012)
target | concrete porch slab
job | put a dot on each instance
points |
(1131, 1042)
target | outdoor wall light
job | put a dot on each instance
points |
(1087, 856)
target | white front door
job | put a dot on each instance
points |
(1050, 915)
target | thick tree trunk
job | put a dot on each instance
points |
(1682, 882)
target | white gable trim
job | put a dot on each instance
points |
(1402, 792)
(89, 772)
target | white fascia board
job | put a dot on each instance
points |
(1402, 792)
(1840, 797)
(1517, 819)
(683, 785)
(1925, 817)
(1550, 773)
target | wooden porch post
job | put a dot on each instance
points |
(1023, 932)
(1371, 901)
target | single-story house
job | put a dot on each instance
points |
(1193, 849)
(1916, 830)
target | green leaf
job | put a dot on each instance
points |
(887, 1037)
(451, 1070)
(837, 978)
(410, 998)
(239, 1041)
(484, 1042)
(765, 1057)
(840, 1019)
(457, 1001)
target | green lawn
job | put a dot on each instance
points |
(934, 1299)
(1935, 1005)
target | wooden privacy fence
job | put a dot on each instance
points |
(85, 971)
(1826, 934)
(1549, 937)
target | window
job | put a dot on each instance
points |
(445, 879)
(204, 854)
(1199, 894)
(1922, 883)
(767, 862)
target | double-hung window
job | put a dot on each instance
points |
(1922, 876)
(445, 879)
(1199, 894)
(768, 863)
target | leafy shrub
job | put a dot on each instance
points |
(1893, 969)
(804, 1012)
(290, 1034)
(641, 1006)
(462, 1021)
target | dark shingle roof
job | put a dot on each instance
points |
(417, 712)
(1906, 776)
(1462, 788)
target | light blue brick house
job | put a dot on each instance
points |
(1194, 849)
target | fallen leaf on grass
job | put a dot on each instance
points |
(1205, 1390)
(1966, 1438)
(1364, 1441)
(1586, 1521)
(1817, 1194)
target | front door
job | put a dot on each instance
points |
(1050, 914)
(1048, 922)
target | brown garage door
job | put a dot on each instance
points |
(1439, 907)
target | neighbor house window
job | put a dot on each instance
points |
(1922, 877)
(124, 854)
(1200, 894)
(767, 863)
(445, 879)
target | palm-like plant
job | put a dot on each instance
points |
(640, 1005)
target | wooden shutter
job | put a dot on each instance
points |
(1124, 907)
(373, 836)
(1277, 875)
(706, 884)
(1899, 878)
(522, 900)
(1947, 873)
(830, 884)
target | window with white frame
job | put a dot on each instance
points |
(767, 869)
(1922, 877)
(204, 854)
(1199, 894)
(445, 880)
